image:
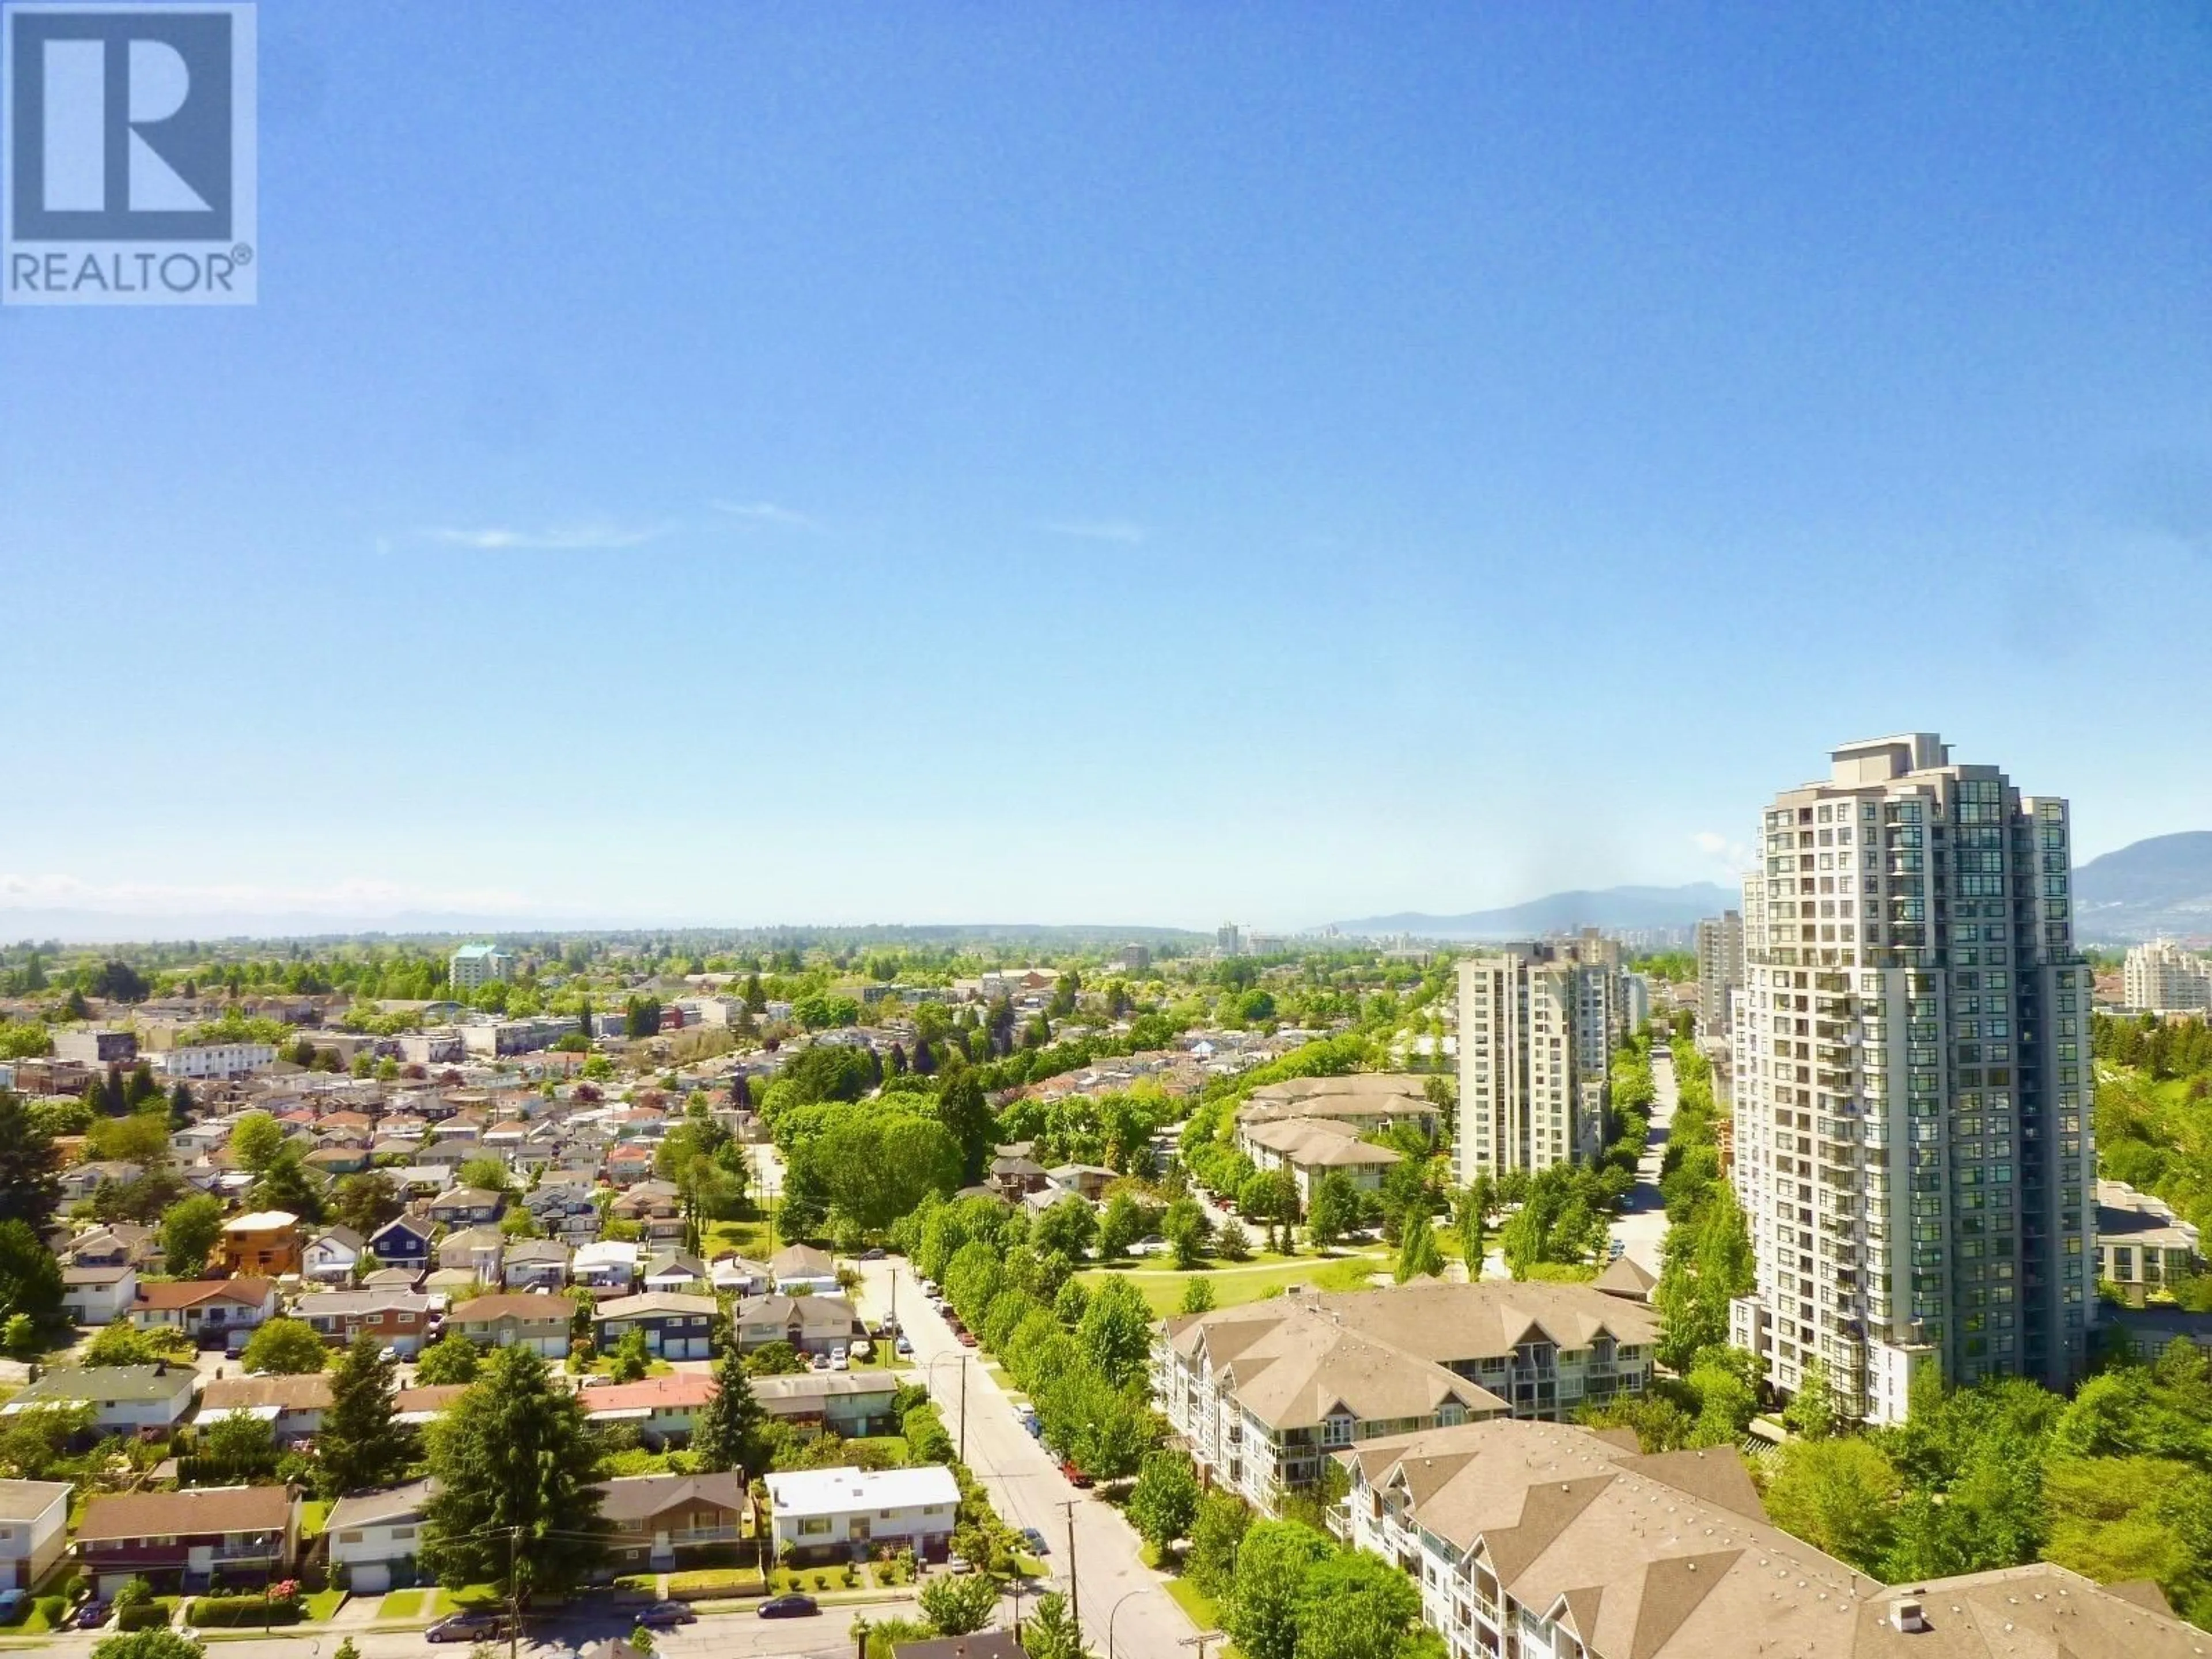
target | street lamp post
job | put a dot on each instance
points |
(1110, 1617)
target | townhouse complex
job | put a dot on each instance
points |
(1261, 1393)
(1912, 1082)
(1540, 1541)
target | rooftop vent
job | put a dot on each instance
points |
(1905, 1613)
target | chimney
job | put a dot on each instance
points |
(1904, 1613)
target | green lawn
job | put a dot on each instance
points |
(404, 1604)
(314, 1516)
(1162, 1291)
(1196, 1602)
(322, 1607)
(747, 1238)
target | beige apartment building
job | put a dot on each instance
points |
(1262, 1393)
(1912, 1082)
(1540, 1541)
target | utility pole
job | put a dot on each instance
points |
(1074, 1581)
(514, 1596)
(1199, 1641)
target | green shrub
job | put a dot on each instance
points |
(708, 1584)
(147, 1615)
(218, 1612)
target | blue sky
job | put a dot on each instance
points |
(1141, 464)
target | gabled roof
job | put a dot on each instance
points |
(185, 1514)
(655, 1303)
(378, 1508)
(641, 1496)
(174, 1295)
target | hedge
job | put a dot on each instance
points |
(707, 1583)
(211, 1611)
(147, 1615)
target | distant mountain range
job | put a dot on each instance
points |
(2162, 885)
(1610, 907)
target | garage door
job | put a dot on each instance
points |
(371, 1578)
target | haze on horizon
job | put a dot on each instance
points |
(1139, 467)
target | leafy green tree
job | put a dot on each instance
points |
(1069, 1226)
(365, 1201)
(30, 1277)
(487, 1174)
(1837, 1495)
(287, 1185)
(877, 1165)
(361, 1443)
(1356, 1606)
(514, 1461)
(775, 1359)
(1216, 1533)
(1164, 1505)
(1335, 1211)
(1188, 1232)
(1051, 1632)
(1198, 1295)
(1116, 1333)
(965, 1112)
(30, 1189)
(255, 1140)
(728, 1433)
(123, 1345)
(285, 1348)
(1811, 1411)
(160, 1643)
(191, 1229)
(452, 1359)
(1267, 1596)
(1418, 1255)
(1471, 1209)
(1068, 1306)
(959, 1605)
(631, 1358)
(1122, 1225)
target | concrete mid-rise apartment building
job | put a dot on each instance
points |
(1912, 1082)
(2161, 976)
(474, 965)
(1720, 972)
(1537, 1027)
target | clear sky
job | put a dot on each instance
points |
(1151, 464)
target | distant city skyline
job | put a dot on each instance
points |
(1141, 465)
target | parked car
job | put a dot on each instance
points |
(903, 1349)
(821, 1362)
(789, 1607)
(1033, 1423)
(967, 1339)
(662, 1615)
(467, 1627)
(1076, 1478)
(11, 1606)
(873, 1254)
(92, 1615)
(1034, 1539)
(838, 1362)
(929, 1290)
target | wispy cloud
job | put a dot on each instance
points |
(349, 896)
(595, 535)
(768, 516)
(1098, 530)
(1734, 855)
